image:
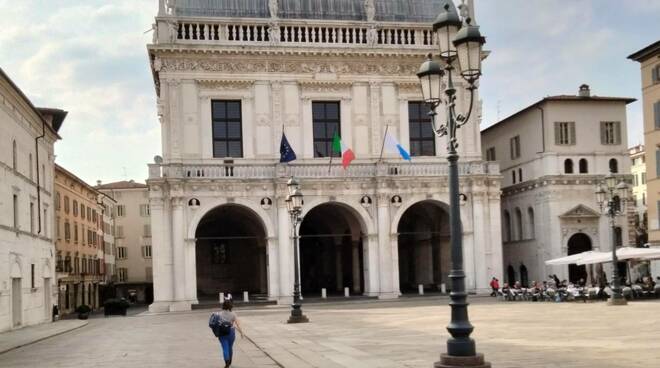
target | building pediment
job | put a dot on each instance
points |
(580, 211)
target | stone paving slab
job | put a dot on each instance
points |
(170, 340)
(511, 335)
(11, 340)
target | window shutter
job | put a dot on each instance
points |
(571, 137)
(656, 113)
(557, 133)
(603, 139)
(656, 74)
(657, 162)
(617, 132)
(511, 146)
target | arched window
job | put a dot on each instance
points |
(524, 279)
(513, 176)
(520, 175)
(568, 166)
(584, 166)
(14, 154)
(518, 224)
(507, 226)
(614, 166)
(530, 216)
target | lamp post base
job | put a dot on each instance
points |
(297, 315)
(450, 361)
(617, 301)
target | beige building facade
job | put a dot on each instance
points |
(132, 237)
(28, 288)
(552, 154)
(79, 244)
(639, 194)
(649, 59)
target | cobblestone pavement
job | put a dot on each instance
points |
(173, 340)
(404, 333)
(14, 339)
(412, 334)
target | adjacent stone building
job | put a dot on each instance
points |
(28, 289)
(132, 237)
(231, 78)
(552, 153)
(639, 215)
(79, 244)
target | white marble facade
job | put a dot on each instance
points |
(196, 61)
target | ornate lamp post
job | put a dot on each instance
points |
(612, 197)
(458, 40)
(294, 203)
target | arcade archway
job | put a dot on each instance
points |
(331, 251)
(231, 253)
(423, 246)
(578, 243)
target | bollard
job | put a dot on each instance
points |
(245, 297)
(443, 288)
(221, 296)
(347, 293)
(420, 287)
(324, 293)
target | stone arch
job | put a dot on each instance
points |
(411, 202)
(423, 246)
(577, 243)
(614, 166)
(568, 166)
(333, 247)
(361, 214)
(230, 251)
(209, 204)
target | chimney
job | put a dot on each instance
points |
(98, 183)
(584, 91)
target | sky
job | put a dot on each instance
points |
(89, 57)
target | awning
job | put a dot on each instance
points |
(572, 259)
(623, 254)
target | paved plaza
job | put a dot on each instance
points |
(404, 333)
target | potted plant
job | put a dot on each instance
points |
(83, 311)
(115, 307)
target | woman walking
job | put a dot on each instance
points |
(228, 324)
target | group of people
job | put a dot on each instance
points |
(553, 289)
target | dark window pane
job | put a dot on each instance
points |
(424, 111)
(413, 110)
(234, 129)
(219, 129)
(320, 149)
(219, 110)
(332, 111)
(318, 110)
(319, 131)
(427, 131)
(428, 148)
(415, 130)
(219, 149)
(235, 149)
(332, 128)
(415, 148)
(233, 110)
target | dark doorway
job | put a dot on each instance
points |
(511, 275)
(424, 249)
(578, 243)
(231, 253)
(524, 278)
(331, 251)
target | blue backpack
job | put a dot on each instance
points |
(218, 326)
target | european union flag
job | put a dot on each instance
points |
(286, 152)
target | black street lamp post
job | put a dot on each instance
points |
(612, 198)
(458, 41)
(294, 202)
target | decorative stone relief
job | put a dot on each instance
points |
(273, 7)
(370, 10)
(362, 67)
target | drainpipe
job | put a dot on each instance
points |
(36, 148)
(542, 129)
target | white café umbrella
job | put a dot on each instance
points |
(623, 254)
(572, 259)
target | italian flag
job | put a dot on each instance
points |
(347, 154)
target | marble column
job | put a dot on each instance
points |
(191, 271)
(339, 272)
(385, 253)
(161, 255)
(179, 257)
(285, 244)
(356, 266)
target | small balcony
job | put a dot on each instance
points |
(225, 171)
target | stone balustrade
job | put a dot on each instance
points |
(315, 170)
(300, 33)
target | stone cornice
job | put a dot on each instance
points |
(225, 83)
(346, 52)
(546, 181)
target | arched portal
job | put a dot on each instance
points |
(578, 243)
(231, 252)
(423, 246)
(331, 250)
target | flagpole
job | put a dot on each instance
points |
(383, 146)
